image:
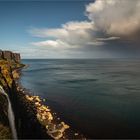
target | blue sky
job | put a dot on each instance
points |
(68, 29)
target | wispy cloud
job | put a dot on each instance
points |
(108, 38)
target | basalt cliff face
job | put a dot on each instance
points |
(8, 55)
(5, 132)
(9, 63)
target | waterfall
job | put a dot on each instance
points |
(10, 114)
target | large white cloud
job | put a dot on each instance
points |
(115, 17)
(72, 33)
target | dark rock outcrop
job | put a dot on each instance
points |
(5, 131)
(3, 109)
(16, 57)
(1, 54)
(8, 55)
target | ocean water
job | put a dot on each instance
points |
(98, 97)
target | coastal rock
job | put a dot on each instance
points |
(3, 109)
(16, 57)
(56, 135)
(8, 55)
(5, 132)
(1, 54)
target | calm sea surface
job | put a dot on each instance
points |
(98, 97)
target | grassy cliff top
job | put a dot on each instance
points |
(8, 72)
(6, 80)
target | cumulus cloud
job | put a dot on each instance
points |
(115, 17)
(72, 33)
(108, 20)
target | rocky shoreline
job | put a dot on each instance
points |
(49, 122)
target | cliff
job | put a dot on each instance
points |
(9, 63)
(8, 55)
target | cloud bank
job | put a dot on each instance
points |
(108, 21)
(115, 17)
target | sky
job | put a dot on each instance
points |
(71, 28)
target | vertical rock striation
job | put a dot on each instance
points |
(8, 55)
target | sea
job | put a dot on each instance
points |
(99, 98)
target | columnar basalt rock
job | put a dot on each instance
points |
(16, 57)
(8, 55)
(1, 54)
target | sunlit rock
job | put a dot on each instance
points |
(37, 104)
(56, 135)
(30, 98)
(51, 127)
(43, 108)
(37, 98)
(62, 127)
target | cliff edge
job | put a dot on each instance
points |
(9, 63)
(8, 55)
